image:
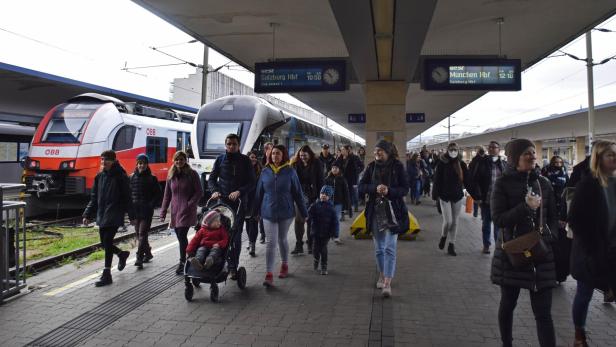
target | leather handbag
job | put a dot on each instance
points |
(528, 248)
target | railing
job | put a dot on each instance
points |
(12, 257)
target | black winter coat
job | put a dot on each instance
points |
(145, 194)
(341, 191)
(323, 220)
(109, 198)
(231, 172)
(588, 221)
(310, 178)
(559, 180)
(480, 176)
(326, 162)
(511, 213)
(447, 185)
(398, 187)
(351, 168)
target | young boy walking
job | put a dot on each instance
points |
(324, 223)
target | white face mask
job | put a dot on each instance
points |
(495, 158)
(453, 154)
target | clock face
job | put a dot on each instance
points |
(331, 76)
(439, 75)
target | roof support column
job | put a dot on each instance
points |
(539, 152)
(580, 148)
(385, 114)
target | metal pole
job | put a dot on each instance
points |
(591, 90)
(449, 129)
(204, 72)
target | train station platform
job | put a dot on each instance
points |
(438, 300)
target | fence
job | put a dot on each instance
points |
(12, 233)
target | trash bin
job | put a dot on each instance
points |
(12, 232)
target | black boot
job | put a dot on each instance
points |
(252, 249)
(309, 248)
(299, 248)
(122, 261)
(180, 268)
(262, 239)
(139, 261)
(441, 243)
(451, 250)
(148, 255)
(105, 279)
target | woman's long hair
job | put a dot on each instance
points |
(305, 149)
(174, 170)
(285, 154)
(258, 167)
(456, 165)
(598, 150)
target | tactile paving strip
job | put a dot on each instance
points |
(95, 320)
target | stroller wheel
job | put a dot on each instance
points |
(196, 282)
(241, 277)
(188, 292)
(214, 292)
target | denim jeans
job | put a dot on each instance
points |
(486, 225)
(338, 208)
(276, 236)
(541, 303)
(385, 244)
(583, 295)
(416, 189)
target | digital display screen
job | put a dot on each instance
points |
(300, 76)
(472, 74)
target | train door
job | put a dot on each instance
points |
(183, 143)
(159, 155)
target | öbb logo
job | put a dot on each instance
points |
(52, 152)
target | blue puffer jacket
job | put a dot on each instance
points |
(322, 218)
(277, 192)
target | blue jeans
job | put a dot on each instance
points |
(354, 196)
(583, 295)
(486, 225)
(385, 244)
(338, 208)
(416, 189)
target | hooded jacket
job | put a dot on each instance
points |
(207, 237)
(447, 185)
(109, 198)
(323, 219)
(145, 193)
(278, 189)
(513, 216)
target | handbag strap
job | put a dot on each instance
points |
(540, 207)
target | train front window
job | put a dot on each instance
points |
(216, 133)
(68, 122)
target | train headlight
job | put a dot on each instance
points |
(67, 165)
(32, 164)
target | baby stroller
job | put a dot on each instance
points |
(219, 272)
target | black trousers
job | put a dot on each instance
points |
(300, 230)
(319, 251)
(182, 234)
(541, 303)
(142, 228)
(107, 234)
(252, 229)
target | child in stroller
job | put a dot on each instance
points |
(207, 246)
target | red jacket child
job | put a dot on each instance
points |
(211, 233)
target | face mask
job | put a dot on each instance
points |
(453, 154)
(495, 158)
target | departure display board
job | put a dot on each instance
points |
(471, 74)
(300, 76)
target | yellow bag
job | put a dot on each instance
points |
(359, 231)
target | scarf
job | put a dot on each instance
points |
(277, 169)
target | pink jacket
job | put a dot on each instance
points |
(182, 193)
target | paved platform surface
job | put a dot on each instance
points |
(438, 300)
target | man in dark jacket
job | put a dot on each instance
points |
(145, 195)
(326, 158)
(483, 174)
(351, 168)
(324, 223)
(109, 202)
(233, 178)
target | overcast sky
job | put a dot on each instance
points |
(93, 40)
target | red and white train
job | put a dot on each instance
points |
(64, 156)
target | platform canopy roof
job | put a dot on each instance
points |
(383, 39)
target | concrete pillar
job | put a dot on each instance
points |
(539, 152)
(385, 115)
(580, 148)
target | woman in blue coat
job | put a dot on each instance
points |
(385, 177)
(277, 191)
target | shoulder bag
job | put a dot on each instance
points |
(528, 248)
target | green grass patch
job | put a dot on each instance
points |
(40, 245)
(95, 256)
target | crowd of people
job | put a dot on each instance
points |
(544, 223)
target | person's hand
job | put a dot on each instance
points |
(162, 216)
(233, 196)
(382, 189)
(86, 221)
(215, 195)
(533, 201)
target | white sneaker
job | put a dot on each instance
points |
(337, 241)
(386, 292)
(379, 284)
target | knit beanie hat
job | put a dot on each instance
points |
(328, 190)
(384, 145)
(108, 155)
(142, 157)
(210, 217)
(515, 149)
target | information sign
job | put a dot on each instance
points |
(300, 76)
(357, 118)
(471, 74)
(416, 117)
